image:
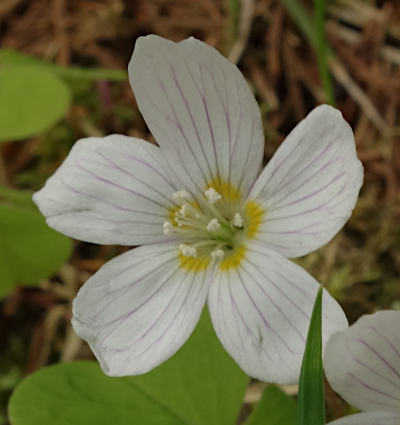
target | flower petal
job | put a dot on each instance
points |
(261, 312)
(200, 110)
(139, 308)
(310, 186)
(369, 418)
(111, 190)
(362, 364)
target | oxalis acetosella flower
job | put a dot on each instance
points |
(212, 228)
(362, 364)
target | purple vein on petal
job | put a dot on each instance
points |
(245, 163)
(262, 253)
(263, 318)
(116, 206)
(387, 341)
(168, 327)
(116, 185)
(178, 124)
(369, 387)
(178, 86)
(239, 317)
(162, 313)
(380, 357)
(220, 313)
(296, 175)
(275, 305)
(310, 195)
(375, 372)
(144, 183)
(122, 291)
(129, 315)
(277, 287)
(302, 183)
(207, 114)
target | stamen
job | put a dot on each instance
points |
(181, 195)
(178, 221)
(213, 225)
(187, 251)
(168, 228)
(212, 195)
(184, 211)
(238, 220)
(217, 253)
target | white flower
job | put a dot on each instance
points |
(213, 230)
(362, 364)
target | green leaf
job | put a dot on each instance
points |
(200, 385)
(32, 100)
(13, 57)
(274, 408)
(15, 197)
(311, 398)
(29, 249)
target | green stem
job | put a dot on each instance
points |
(91, 73)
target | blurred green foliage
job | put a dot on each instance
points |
(29, 249)
(274, 408)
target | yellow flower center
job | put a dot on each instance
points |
(213, 229)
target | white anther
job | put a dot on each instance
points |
(217, 253)
(168, 228)
(212, 195)
(184, 211)
(187, 251)
(213, 225)
(181, 195)
(177, 221)
(238, 220)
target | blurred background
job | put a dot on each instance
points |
(63, 77)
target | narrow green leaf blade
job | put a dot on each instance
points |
(274, 408)
(311, 398)
(322, 50)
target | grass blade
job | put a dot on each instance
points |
(315, 34)
(311, 398)
(321, 49)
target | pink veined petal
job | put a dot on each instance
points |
(369, 418)
(139, 308)
(310, 186)
(261, 313)
(111, 190)
(200, 110)
(362, 364)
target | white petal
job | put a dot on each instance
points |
(369, 418)
(310, 186)
(362, 364)
(139, 308)
(111, 190)
(200, 110)
(261, 313)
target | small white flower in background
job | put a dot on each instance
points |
(362, 364)
(213, 230)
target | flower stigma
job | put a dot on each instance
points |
(213, 228)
